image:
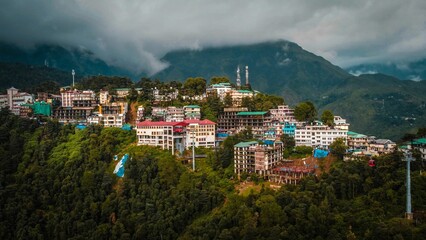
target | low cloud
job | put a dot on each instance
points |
(135, 34)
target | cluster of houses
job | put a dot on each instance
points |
(179, 128)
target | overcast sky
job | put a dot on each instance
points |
(135, 34)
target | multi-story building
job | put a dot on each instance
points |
(124, 92)
(159, 113)
(341, 123)
(420, 144)
(77, 98)
(238, 95)
(283, 114)
(228, 121)
(140, 113)
(202, 133)
(177, 135)
(166, 135)
(254, 120)
(112, 114)
(358, 142)
(192, 112)
(318, 135)
(220, 90)
(103, 97)
(381, 146)
(175, 114)
(76, 106)
(14, 99)
(252, 157)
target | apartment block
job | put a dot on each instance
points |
(252, 157)
(318, 135)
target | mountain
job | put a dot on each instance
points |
(33, 78)
(279, 67)
(374, 104)
(377, 104)
(83, 61)
(405, 71)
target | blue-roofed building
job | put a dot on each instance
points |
(289, 129)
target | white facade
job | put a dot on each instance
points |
(202, 133)
(318, 135)
(14, 99)
(341, 123)
(103, 97)
(176, 135)
(220, 89)
(68, 96)
(175, 114)
(192, 112)
(283, 114)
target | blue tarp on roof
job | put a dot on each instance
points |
(119, 168)
(268, 142)
(222, 135)
(81, 126)
(127, 127)
(319, 153)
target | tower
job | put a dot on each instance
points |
(73, 73)
(238, 77)
(247, 81)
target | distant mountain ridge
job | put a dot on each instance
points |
(83, 61)
(415, 70)
(278, 67)
(374, 104)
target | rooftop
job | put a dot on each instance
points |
(245, 91)
(251, 113)
(419, 141)
(192, 106)
(246, 144)
(200, 122)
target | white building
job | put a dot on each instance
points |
(238, 95)
(176, 135)
(14, 99)
(110, 115)
(175, 114)
(318, 135)
(341, 123)
(283, 114)
(200, 132)
(220, 90)
(103, 97)
(69, 96)
(192, 112)
(140, 113)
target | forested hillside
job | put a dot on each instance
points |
(58, 182)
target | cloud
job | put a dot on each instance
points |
(359, 72)
(135, 34)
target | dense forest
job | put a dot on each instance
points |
(57, 182)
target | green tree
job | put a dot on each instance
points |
(288, 141)
(305, 111)
(338, 148)
(327, 117)
(228, 100)
(195, 86)
(216, 80)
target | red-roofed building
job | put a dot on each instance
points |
(176, 135)
(201, 133)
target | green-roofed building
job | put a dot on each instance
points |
(192, 112)
(42, 108)
(420, 144)
(253, 120)
(252, 157)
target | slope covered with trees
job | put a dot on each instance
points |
(57, 182)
